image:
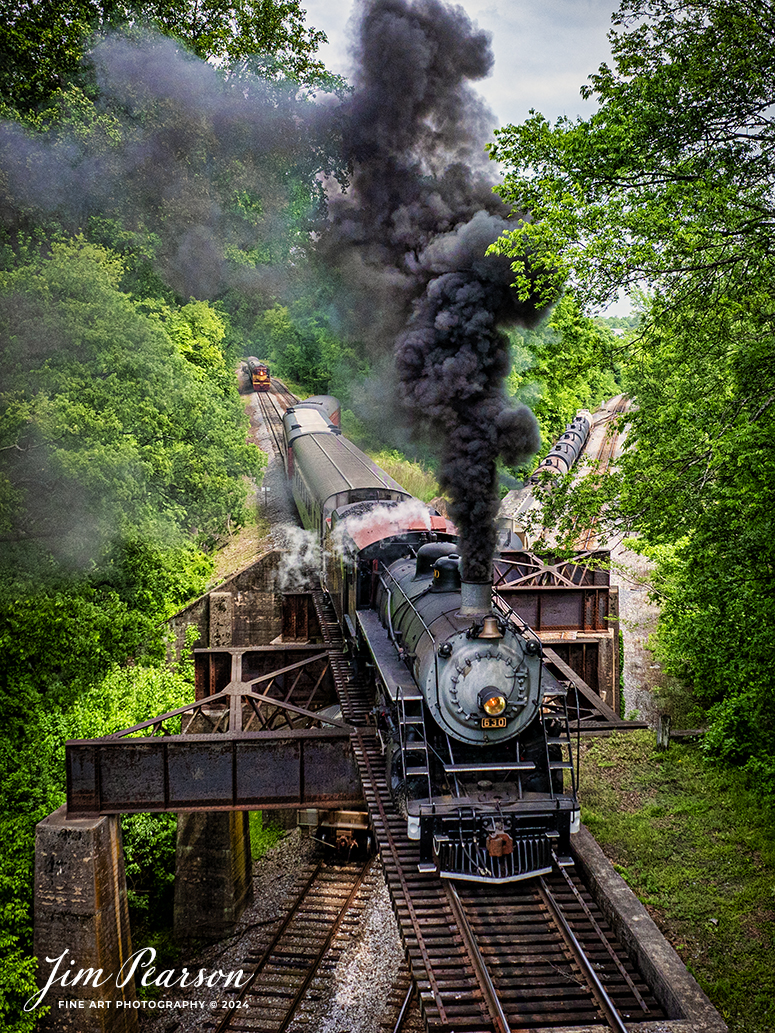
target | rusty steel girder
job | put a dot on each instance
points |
(238, 748)
(557, 595)
(239, 771)
(588, 711)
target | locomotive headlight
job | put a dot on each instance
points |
(492, 702)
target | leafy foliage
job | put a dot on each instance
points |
(32, 769)
(122, 452)
(670, 179)
(139, 184)
(410, 475)
(111, 429)
(45, 45)
(569, 362)
(670, 184)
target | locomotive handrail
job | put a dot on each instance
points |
(510, 615)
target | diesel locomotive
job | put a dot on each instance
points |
(259, 374)
(475, 729)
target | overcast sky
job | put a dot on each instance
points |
(544, 50)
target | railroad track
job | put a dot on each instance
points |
(273, 405)
(308, 939)
(532, 955)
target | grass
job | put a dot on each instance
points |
(410, 475)
(264, 834)
(242, 547)
(697, 847)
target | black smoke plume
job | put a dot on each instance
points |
(411, 234)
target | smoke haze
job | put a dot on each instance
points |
(406, 238)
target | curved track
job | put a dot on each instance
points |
(533, 955)
(273, 405)
(587, 539)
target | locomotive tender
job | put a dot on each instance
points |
(475, 729)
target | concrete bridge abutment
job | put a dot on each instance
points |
(213, 873)
(82, 919)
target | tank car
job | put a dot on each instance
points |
(259, 373)
(475, 729)
(566, 450)
(519, 508)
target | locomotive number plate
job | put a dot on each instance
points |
(494, 722)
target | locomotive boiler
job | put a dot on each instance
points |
(475, 729)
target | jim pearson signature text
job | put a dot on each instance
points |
(64, 974)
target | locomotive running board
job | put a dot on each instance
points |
(392, 672)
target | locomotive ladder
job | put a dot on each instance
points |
(412, 736)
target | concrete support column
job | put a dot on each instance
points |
(608, 669)
(81, 917)
(213, 873)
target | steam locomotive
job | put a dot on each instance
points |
(475, 728)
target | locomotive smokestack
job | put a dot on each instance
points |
(475, 598)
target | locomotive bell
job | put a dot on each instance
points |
(490, 628)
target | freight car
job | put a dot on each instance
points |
(259, 374)
(475, 729)
(566, 450)
(519, 508)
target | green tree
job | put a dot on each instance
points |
(670, 184)
(43, 43)
(567, 363)
(108, 428)
(122, 454)
(669, 181)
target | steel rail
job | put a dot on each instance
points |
(261, 964)
(603, 939)
(445, 998)
(605, 1003)
(302, 989)
(404, 1007)
(357, 735)
(321, 951)
(271, 415)
(494, 1006)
